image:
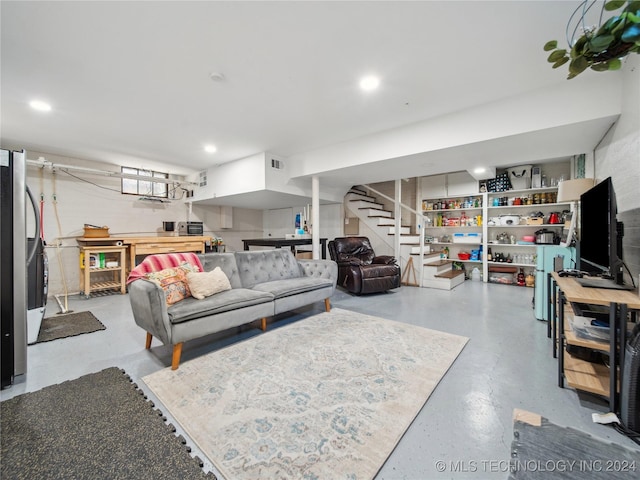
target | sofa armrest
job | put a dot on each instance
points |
(319, 268)
(150, 309)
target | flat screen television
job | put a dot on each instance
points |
(600, 252)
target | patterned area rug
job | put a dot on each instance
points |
(68, 325)
(326, 397)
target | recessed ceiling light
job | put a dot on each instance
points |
(40, 106)
(480, 170)
(210, 148)
(369, 83)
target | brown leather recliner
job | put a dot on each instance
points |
(359, 269)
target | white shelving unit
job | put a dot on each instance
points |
(522, 254)
(487, 223)
(464, 210)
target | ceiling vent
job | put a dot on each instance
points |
(202, 179)
(277, 164)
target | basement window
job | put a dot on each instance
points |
(141, 186)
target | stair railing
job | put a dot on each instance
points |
(419, 225)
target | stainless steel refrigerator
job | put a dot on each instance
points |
(549, 258)
(14, 258)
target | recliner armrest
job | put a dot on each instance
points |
(384, 260)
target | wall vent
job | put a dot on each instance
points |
(277, 164)
(202, 179)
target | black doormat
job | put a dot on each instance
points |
(99, 426)
(543, 450)
(68, 325)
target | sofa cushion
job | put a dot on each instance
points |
(233, 299)
(266, 266)
(204, 284)
(226, 262)
(293, 286)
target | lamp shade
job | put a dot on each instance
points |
(570, 190)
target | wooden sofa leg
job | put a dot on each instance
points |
(175, 358)
(263, 324)
(327, 305)
(147, 345)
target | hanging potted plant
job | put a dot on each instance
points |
(600, 47)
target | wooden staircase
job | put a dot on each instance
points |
(436, 272)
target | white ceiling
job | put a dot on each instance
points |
(130, 82)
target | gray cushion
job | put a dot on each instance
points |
(226, 262)
(293, 286)
(266, 265)
(233, 299)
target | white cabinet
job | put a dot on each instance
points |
(433, 186)
(448, 185)
(461, 183)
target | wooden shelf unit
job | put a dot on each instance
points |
(89, 284)
(581, 374)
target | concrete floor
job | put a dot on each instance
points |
(507, 364)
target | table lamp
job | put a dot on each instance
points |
(570, 191)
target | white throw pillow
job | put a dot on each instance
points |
(204, 284)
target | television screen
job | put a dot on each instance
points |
(601, 238)
(597, 227)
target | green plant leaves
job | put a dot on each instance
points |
(600, 43)
(560, 62)
(615, 64)
(578, 65)
(614, 5)
(633, 7)
(601, 48)
(556, 55)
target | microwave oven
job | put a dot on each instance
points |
(190, 228)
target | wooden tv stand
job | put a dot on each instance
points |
(581, 374)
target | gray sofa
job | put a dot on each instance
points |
(263, 283)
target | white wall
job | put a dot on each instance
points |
(618, 156)
(97, 200)
(239, 176)
(279, 222)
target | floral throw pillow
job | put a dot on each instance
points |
(173, 281)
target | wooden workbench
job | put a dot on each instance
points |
(151, 245)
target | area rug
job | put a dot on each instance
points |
(99, 426)
(68, 325)
(541, 449)
(329, 396)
